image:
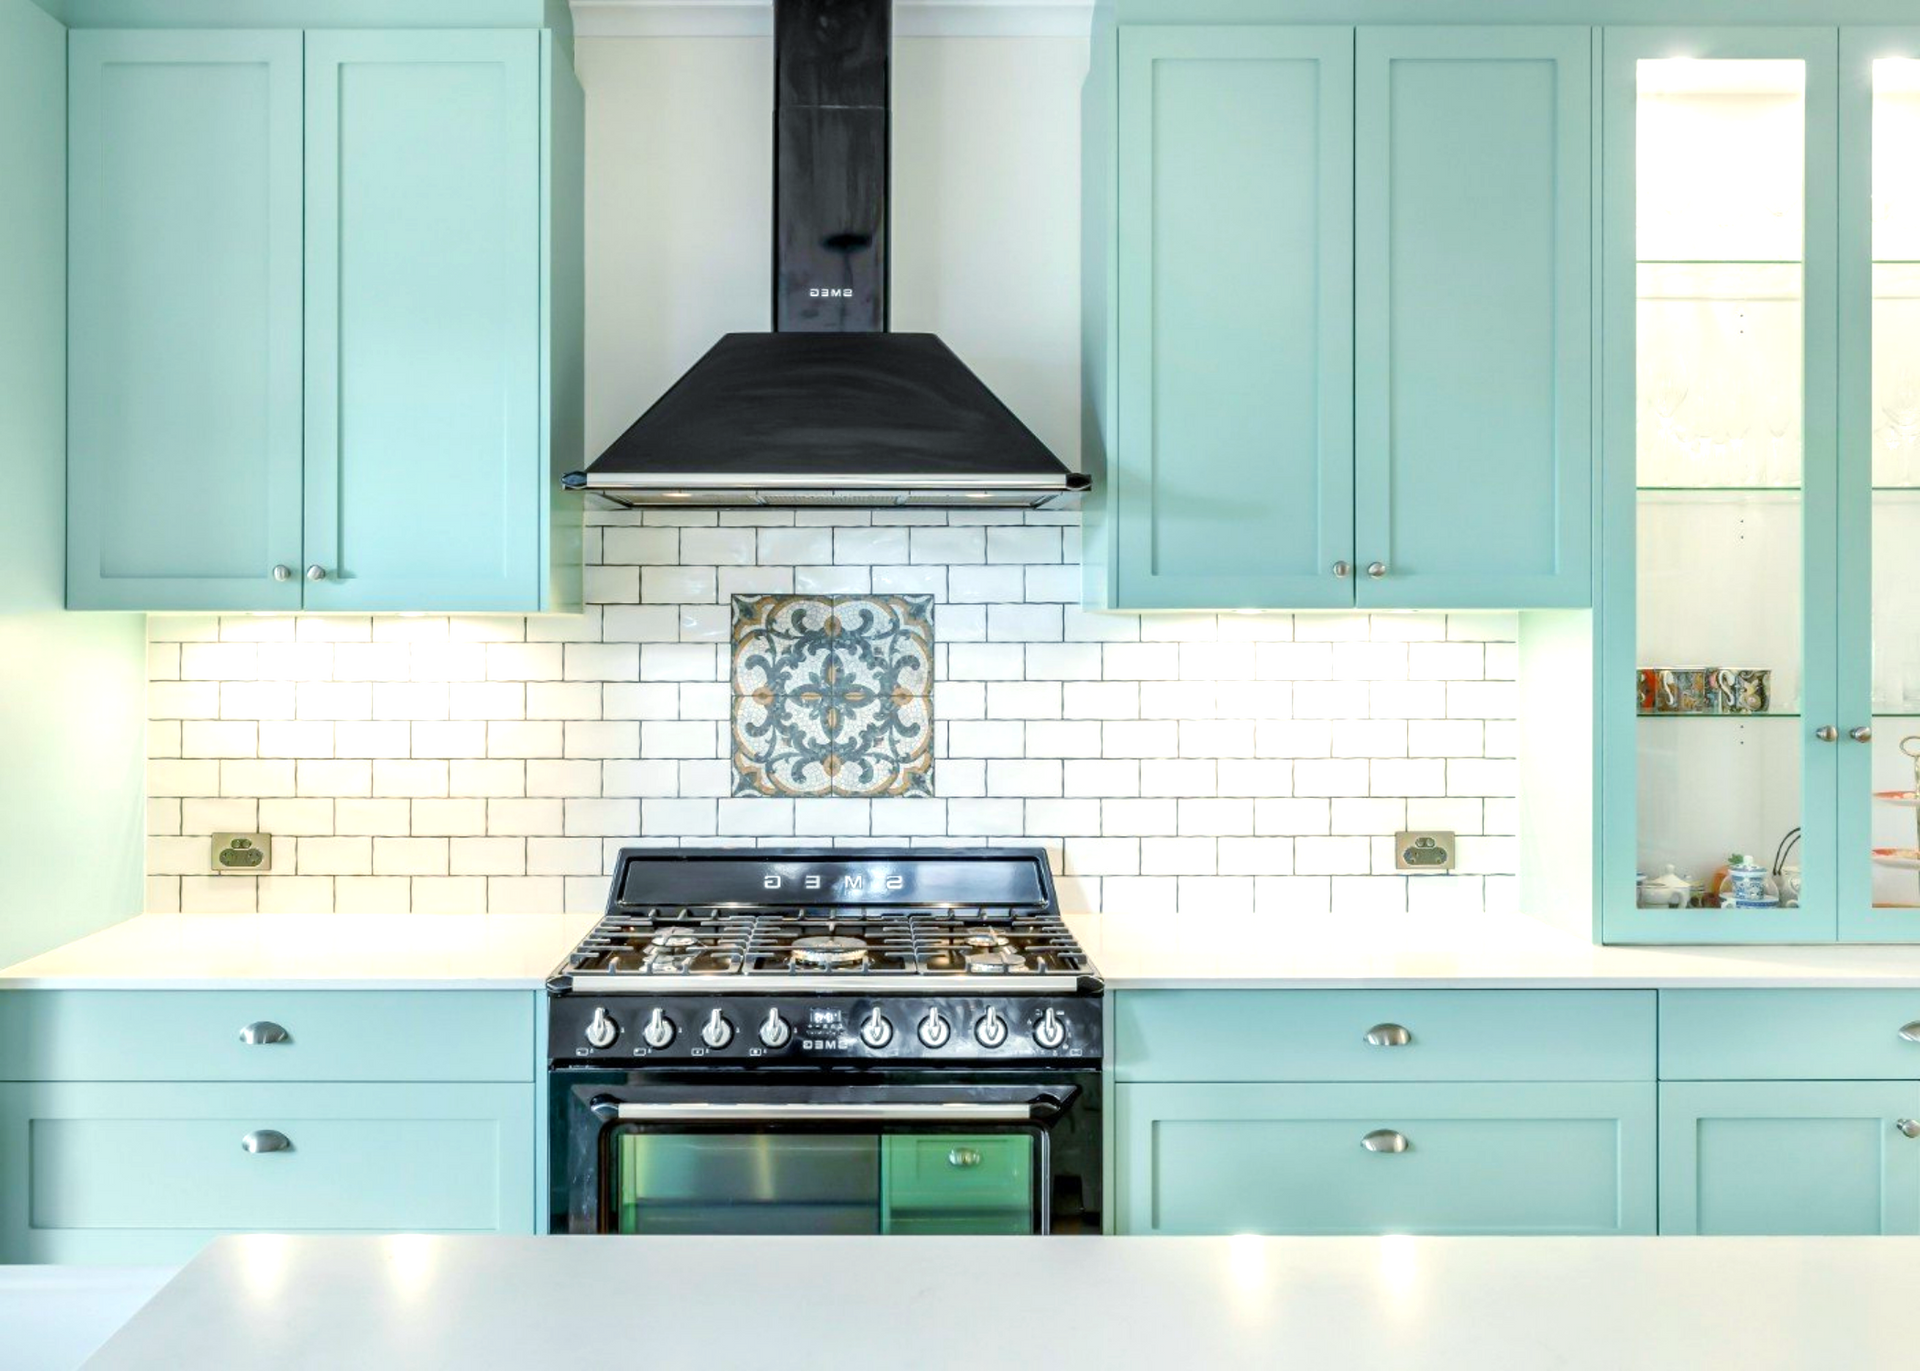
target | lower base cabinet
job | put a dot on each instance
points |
(146, 1173)
(1789, 1157)
(1473, 1158)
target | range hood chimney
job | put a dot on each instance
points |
(831, 408)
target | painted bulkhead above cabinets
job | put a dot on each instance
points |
(324, 319)
(1339, 344)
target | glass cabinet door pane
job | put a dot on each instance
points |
(1721, 510)
(1895, 429)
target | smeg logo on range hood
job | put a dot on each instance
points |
(830, 292)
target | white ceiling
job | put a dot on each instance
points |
(917, 18)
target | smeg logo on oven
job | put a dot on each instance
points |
(849, 883)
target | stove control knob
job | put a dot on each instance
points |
(602, 1030)
(659, 1030)
(934, 1029)
(717, 1032)
(876, 1032)
(774, 1030)
(1051, 1031)
(990, 1030)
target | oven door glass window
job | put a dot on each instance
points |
(671, 1180)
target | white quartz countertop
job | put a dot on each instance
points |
(319, 951)
(478, 1303)
(518, 951)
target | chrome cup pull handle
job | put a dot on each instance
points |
(1911, 1032)
(963, 1158)
(1385, 1140)
(267, 1140)
(264, 1031)
(1388, 1035)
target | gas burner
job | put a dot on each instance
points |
(985, 940)
(997, 962)
(674, 949)
(828, 952)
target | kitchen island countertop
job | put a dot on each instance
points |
(1410, 1303)
(1204, 951)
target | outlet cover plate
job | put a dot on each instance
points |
(1423, 851)
(242, 854)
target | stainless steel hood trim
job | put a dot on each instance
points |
(836, 480)
(825, 985)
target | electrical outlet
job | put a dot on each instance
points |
(1425, 850)
(242, 854)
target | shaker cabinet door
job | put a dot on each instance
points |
(1791, 1157)
(184, 443)
(1232, 470)
(1473, 317)
(425, 466)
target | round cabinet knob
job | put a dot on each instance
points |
(1861, 734)
(1051, 1031)
(1376, 569)
(1385, 1140)
(601, 1029)
(717, 1032)
(934, 1029)
(283, 573)
(316, 572)
(1826, 733)
(1343, 569)
(991, 1029)
(876, 1032)
(659, 1030)
(1909, 1128)
(774, 1030)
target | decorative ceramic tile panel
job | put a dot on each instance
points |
(833, 695)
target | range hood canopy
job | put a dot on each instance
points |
(831, 408)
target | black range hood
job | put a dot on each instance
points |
(831, 408)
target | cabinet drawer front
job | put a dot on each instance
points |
(1543, 1158)
(1789, 1034)
(1323, 1035)
(330, 1035)
(107, 1172)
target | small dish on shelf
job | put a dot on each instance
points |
(1909, 798)
(1906, 858)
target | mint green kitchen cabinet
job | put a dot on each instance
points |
(1457, 1158)
(329, 359)
(1384, 1111)
(1338, 346)
(1790, 1157)
(184, 370)
(136, 1125)
(144, 1174)
(1473, 330)
(1230, 479)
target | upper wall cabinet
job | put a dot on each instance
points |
(324, 321)
(1340, 317)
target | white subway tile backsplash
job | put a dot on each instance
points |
(1170, 762)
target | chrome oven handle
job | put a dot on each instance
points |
(684, 1111)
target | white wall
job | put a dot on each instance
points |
(986, 212)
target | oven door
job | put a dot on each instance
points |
(894, 1159)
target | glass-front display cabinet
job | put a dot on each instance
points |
(1761, 513)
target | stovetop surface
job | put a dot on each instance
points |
(852, 915)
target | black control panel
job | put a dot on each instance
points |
(788, 1030)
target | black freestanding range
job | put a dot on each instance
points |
(827, 1040)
